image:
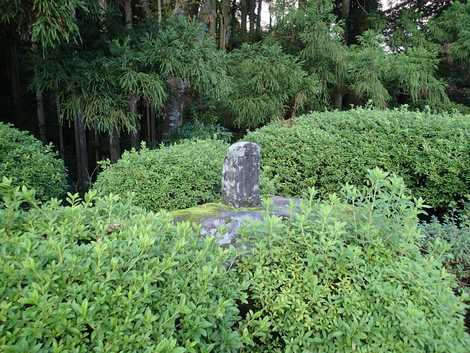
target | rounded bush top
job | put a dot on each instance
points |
(170, 177)
(26, 161)
(325, 150)
(104, 276)
(346, 275)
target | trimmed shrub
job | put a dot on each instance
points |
(171, 177)
(325, 150)
(28, 162)
(110, 278)
(348, 276)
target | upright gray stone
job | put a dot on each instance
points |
(241, 175)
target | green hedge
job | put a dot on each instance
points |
(326, 150)
(28, 162)
(170, 177)
(110, 278)
(349, 277)
(102, 275)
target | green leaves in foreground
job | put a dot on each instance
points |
(349, 277)
(103, 276)
(343, 275)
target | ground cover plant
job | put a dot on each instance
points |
(171, 177)
(101, 275)
(28, 162)
(347, 275)
(343, 275)
(431, 152)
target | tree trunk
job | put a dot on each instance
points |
(128, 13)
(55, 103)
(114, 145)
(243, 10)
(159, 12)
(224, 24)
(16, 84)
(133, 110)
(153, 126)
(175, 106)
(345, 12)
(339, 100)
(252, 5)
(81, 152)
(61, 141)
(258, 16)
(96, 145)
(41, 115)
(208, 15)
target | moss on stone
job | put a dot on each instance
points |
(198, 213)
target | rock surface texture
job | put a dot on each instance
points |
(224, 223)
(241, 175)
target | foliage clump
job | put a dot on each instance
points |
(431, 152)
(101, 275)
(451, 238)
(267, 84)
(28, 162)
(346, 275)
(170, 177)
(201, 131)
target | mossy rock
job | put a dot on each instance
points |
(223, 222)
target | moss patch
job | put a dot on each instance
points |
(198, 213)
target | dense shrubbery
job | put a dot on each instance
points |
(431, 152)
(341, 276)
(451, 238)
(27, 161)
(170, 177)
(109, 277)
(198, 130)
(349, 277)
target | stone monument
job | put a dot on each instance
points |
(241, 175)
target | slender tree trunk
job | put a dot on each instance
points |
(96, 145)
(128, 13)
(252, 5)
(16, 83)
(148, 126)
(41, 115)
(175, 106)
(224, 24)
(345, 12)
(159, 12)
(243, 11)
(339, 100)
(153, 126)
(61, 141)
(133, 110)
(55, 103)
(258, 16)
(81, 152)
(114, 145)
